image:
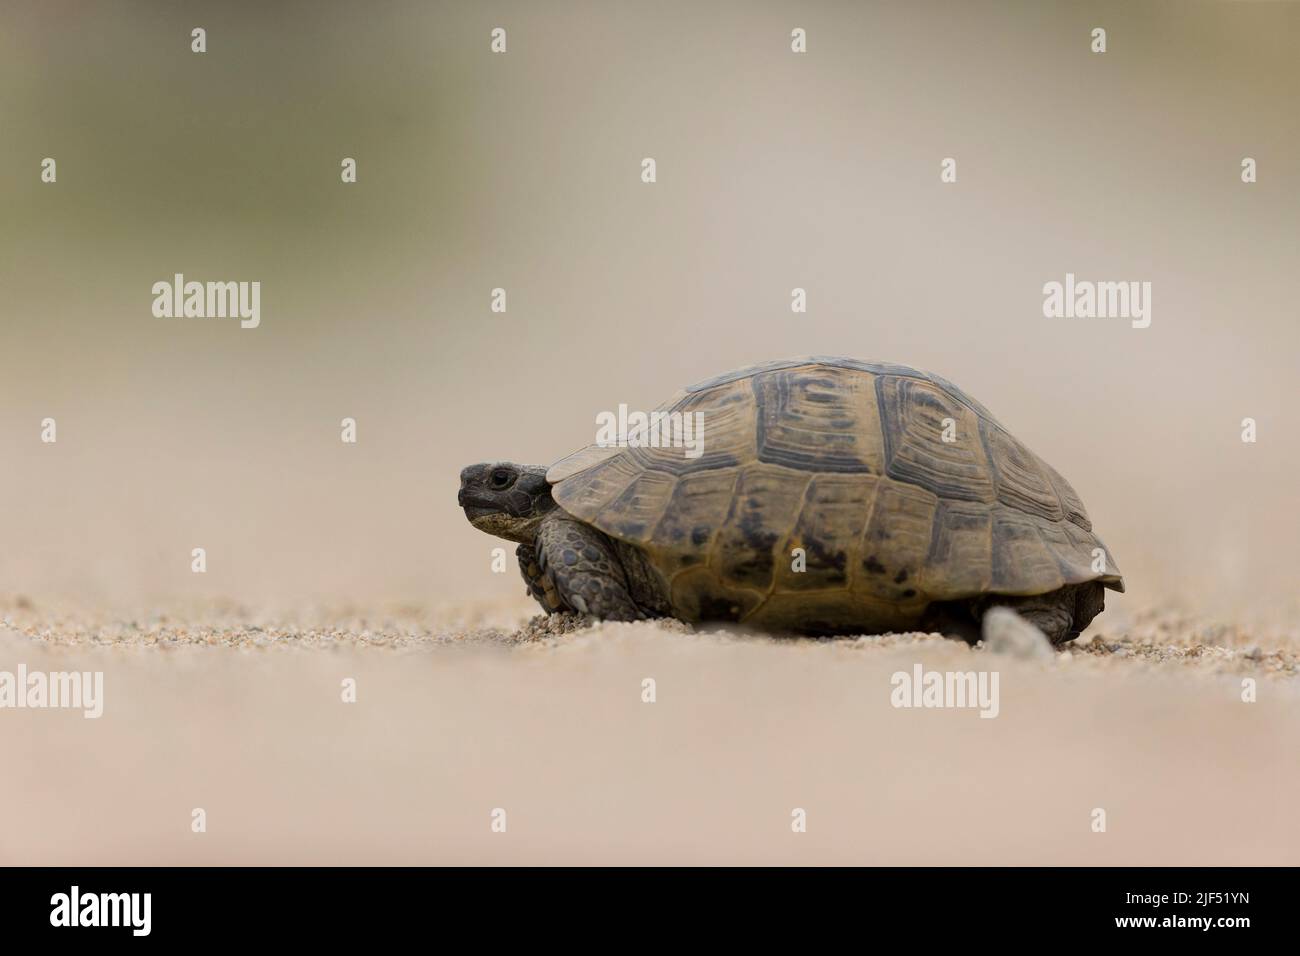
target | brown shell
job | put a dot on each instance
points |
(845, 460)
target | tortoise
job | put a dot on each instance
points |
(827, 496)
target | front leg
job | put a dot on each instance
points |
(585, 569)
(540, 586)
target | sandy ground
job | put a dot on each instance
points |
(464, 710)
(775, 172)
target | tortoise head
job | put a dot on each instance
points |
(505, 499)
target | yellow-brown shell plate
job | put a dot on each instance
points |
(846, 460)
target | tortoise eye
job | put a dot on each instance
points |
(501, 478)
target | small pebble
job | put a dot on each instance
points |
(1006, 632)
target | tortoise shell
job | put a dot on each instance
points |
(849, 462)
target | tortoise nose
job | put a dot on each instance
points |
(460, 497)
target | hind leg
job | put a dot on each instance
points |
(1061, 614)
(585, 569)
(1051, 613)
(1090, 601)
(952, 619)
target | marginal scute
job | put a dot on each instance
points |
(580, 461)
(1111, 577)
(697, 594)
(636, 511)
(835, 612)
(1079, 556)
(960, 559)
(763, 508)
(1022, 561)
(1075, 565)
(828, 530)
(897, 539)
(685, 533)
(584, 495)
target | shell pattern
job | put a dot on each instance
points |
(848, 461)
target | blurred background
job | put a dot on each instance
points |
(522, 171)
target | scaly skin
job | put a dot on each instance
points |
(584, 566)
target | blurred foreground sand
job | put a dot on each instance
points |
(459, 713)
